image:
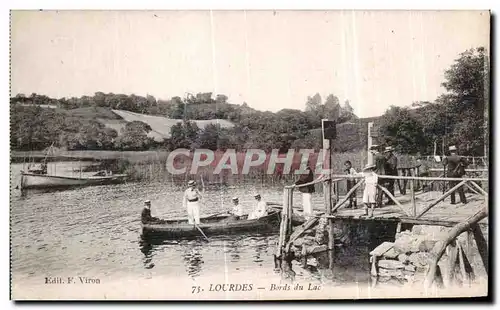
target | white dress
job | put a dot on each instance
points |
(370, 192)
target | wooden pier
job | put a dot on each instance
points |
(411, 205)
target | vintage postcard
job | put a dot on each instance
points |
(249, 154)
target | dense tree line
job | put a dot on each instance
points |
(74, 123)
(455, 117)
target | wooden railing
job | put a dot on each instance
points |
(468, 182)
(332, 205)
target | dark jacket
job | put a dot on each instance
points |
(391, 165)
(306, 178)
(379, 160)
(146, 216)
(455, 165)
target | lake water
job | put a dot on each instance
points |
(95, 232)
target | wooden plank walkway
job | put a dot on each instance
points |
(444, 213)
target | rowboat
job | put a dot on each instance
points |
(44, 181)
(213, 225)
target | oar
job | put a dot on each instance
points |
(198, 227)
(216, 214)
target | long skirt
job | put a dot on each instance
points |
(193, 209)
(369, 194)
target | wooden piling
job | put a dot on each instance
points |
(283, 224)
(328, 211)
(482, 246)
(412, 193)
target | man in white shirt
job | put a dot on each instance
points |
(191, 202)
(260, 209)
(237, 209)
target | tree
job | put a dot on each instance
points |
(402, 130)
(183, 135)
(134, 136)
(313, 102)
(331, 109)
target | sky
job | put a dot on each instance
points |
(270, 59)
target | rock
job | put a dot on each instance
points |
(403, 233)
(410, 268)
(316, 249)
(398, 273)
(391, 254)
(404, 243)
(384, 278)
(403, 258)
(426, 245)
(307, 240)
(381, 249)
(390, 264)
(419, 259)
(432, 232)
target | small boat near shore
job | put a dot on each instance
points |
(213, 225)
(44, 181)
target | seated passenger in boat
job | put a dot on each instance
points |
(237, 210)
(146, 217)
(260, 209)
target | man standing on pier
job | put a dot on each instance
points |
(379, 161)
(306, 191)
(455, 169)
(391, 168)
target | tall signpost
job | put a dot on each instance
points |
(329, 130)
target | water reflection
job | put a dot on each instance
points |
(193, 261)
(146, 249)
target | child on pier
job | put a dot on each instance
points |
(370, 192)
(351, 182)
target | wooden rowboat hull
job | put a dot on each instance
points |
(38, 181)
(221, 225)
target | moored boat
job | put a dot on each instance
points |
(44, 181)
(213, 225)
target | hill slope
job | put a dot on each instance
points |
(161, 125)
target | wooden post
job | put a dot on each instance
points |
(482, 246)
(304, 256)
(452, 261)
(370, 143)
(486, 87)
(281, 239)
(289, 214)
(412, 193)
